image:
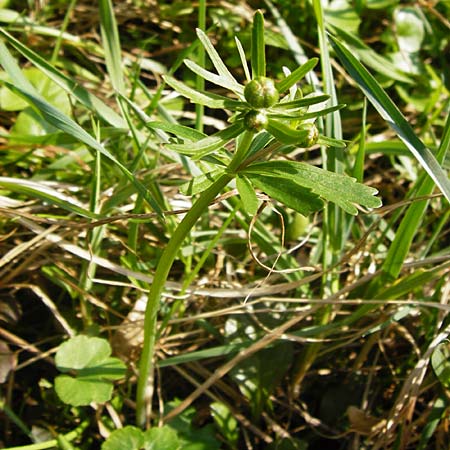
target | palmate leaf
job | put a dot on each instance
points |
(95, 369)
(333, 187)
(389, 111)
(209, 144)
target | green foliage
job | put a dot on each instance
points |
(98, 141)
(132, 438)
(88, 358)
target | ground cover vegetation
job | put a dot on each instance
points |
(224, 225)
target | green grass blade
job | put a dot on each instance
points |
(404, 236)
(54, 117)
(371, 58)
(87, 99)
(258, 58)
(111, 45)
(389, 112)
(47, 194)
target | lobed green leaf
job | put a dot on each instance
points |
(337, 188)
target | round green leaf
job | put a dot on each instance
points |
(82, 391)
(164, 438)
(81, 352)
(129, 438)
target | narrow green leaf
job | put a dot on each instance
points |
(371, 58)
(296, 75)
(389, 111)
(258, 58)
(337, 188)
(111, 45)
(72, 87)
(440, 361)
(179, 131)
(207, 145)
(287, 192)
(243, 58)
(414, 216)
(214, 56)
(44, 192)
(219, 80)
(437, 413)
(305, 101)
(247, 194)
(331, 142)
(203, 98)
(286, 134)
(54, 117)
(305, 116)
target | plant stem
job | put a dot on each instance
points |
(162, 271)
(144, 387)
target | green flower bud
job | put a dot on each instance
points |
(261, 93)
(255, 120)
(311, 138)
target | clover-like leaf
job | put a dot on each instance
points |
(88, 371)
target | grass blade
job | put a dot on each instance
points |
(389, 112)
(111, 45)
(87, 99)
(54, 117)
(404, 236)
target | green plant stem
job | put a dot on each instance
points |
(72, 435)
(160, 277)
(146, 364)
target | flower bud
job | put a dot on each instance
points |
(255, 120)
(261, 93)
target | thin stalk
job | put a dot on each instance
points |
(146, 365)
(72, 435)
(162, 272)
